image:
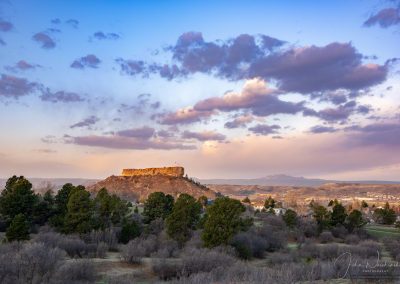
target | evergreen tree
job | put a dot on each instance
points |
(157, 205)
(223, 221)
(130, 230)
(78, 217)
(246, 200)
(184, 217)
(322, 216)
(17, 198)
(269, 203)
(338, 215)
(18, 229)
(355, 220)
(290, 218)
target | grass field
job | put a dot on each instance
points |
(383, 231)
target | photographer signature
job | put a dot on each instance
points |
(369, 264)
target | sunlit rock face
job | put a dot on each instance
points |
(165, 171)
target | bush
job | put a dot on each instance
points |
(29, 263)
(101, 250)
(352, 239)
(138, 248)
(249, 245)
(339, 232)
(309, 228)
(204, 260)
(326, 237)
(76, 271)
(107, 236)
(166, 269)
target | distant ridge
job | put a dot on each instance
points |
(286, 180)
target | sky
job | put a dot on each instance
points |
(227, 89)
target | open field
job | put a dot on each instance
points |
(382, 231)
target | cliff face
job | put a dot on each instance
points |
(138, 188)
(166, 171)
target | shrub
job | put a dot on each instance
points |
(29, 263)
(101, 250)
(249, 245)
(166, 269)
(107, 236)
(339, 232)
(204, 260)
(76, 271)
(138, 248)
(308, 227)
(352, 239)
(326, 237)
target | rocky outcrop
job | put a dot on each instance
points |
(138, 187)
(166, 171)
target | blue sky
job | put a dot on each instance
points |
(90, 87)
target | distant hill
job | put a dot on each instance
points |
(139, 187)
(285, 180)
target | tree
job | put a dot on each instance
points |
(183, 218)
(78, 217)
(223, 221)
(364, 204)
(18, 229)
(290, 218)
(386, 215)
(130, 230)
(109, 209)
(338, 215)
(203, 200)
(44, 208)
(246, 200)
(355, 220)
(322, 216)
(269, 203)
(17, 198)
(157, 205)
(61, 201)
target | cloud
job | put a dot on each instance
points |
(384, 18)
(61, 96)
(134, 139)
(255, 96)
(5, 26)
(263, 129)
(132, 67)
(45, 151)
(240, 121)
(22, 65)
(102, 36)
(15, 87)
(303, 69)
(90, 61)
(56, 21)
(87, 122)
(45, 40)
(322, 129)
(184, 116)
(311, 69)
(144, 132)
(203, 136)
(377, 134)
(339, 113)
(73, 23)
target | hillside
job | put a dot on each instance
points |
(286, 180)
(139, 187)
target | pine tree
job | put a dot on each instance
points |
(18, 229)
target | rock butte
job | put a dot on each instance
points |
(165, 171)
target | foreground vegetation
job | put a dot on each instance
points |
(76, 237)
